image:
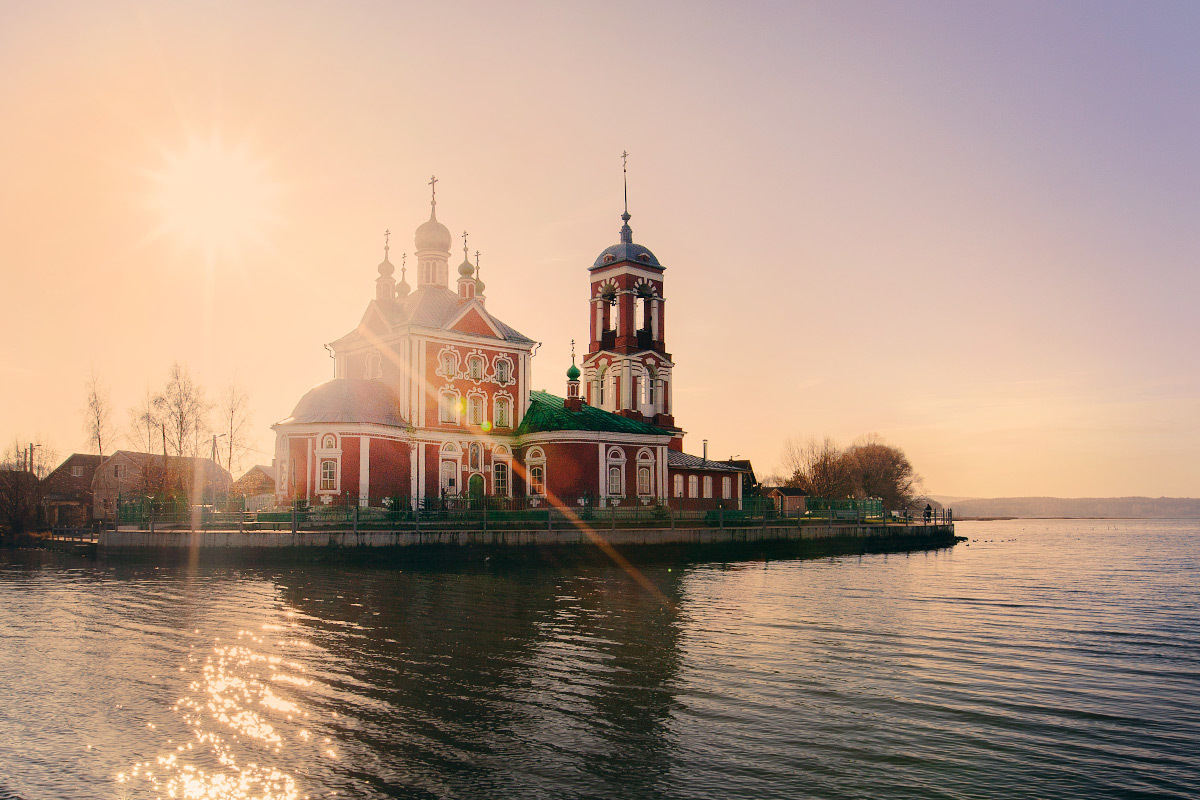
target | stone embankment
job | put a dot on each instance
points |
(777, 541)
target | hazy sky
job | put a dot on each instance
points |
(972, 228)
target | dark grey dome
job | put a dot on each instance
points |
(627, 252)
(350, 400)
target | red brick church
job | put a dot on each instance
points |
(432, 399)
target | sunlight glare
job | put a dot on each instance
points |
(215, 198)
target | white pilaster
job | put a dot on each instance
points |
(364, 470)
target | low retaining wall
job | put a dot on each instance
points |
(126, 540)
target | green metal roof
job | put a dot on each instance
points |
(547, 413)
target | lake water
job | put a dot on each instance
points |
(1047, 659)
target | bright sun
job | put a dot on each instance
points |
(215, 198)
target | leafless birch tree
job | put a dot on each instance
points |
(97, 415)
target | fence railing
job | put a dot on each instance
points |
(487, 514)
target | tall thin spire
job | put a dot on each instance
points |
(625, 179)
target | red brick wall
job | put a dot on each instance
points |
(350, 450)
(391, 471)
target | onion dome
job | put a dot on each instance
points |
(466, 269)
(432, 235)
(478, 287)
(386, 268)
(573, 373)
(626, 250)
(402, 288)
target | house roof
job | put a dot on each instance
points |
(213, 471)
(548, 413)
(86, 460)
(681, 460)
(264, 469)
(787, 491)
(349, 400)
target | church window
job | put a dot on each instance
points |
(503, 412)
(328, 475)
(448, 407)
(693, 486)
(678, 486)
(708, 485)
(374, 366)
(475, 366)
(726, 488)
(475, 409)
(615, 487)
(500, 479)
(449, 476)
(537, 481)
(643, 480)
(449, 365)
(503, 371)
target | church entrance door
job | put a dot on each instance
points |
(475, 488)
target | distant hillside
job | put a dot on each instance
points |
(1112, 507)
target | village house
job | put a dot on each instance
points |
(126, 473)
(67, 491)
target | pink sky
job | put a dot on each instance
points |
(971, 228)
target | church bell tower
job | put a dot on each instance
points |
(627, 369)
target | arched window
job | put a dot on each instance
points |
(693, 486)
(503, 412)
(328, 475)
(615, 482)
(678, 486)
(475, 368)
(616, 472)
(374, 365)
(448, 407)
(500, 479)
(535, 460)
(475, 409)
(645, 472)
(503, 371)
(601, 377)
(449, 364)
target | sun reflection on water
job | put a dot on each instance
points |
(240, 714)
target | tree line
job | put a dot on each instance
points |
(178, 419)
(867, 468)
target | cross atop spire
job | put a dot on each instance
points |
(625, 180)
(386, 235)
(466, 255)
(572, 352)
(433, 190)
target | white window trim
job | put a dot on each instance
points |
(535, 457)
(616, 458)
(496, 400)
(457, 405)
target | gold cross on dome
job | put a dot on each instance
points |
(386, 235)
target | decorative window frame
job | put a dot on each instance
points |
(497, 398)
(482, 397)
(502, 457)
(476, 357)
(535, 458)
(450, 391)
(450, 453)
(441, 362)
(512, 370)
(322, 452)
(645, 461)
(615, 460)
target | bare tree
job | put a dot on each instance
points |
(183, 409)
(21, 470)
(234, 424)
(144, 427)
(820, 468)
(883, 471)
(97, 415)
